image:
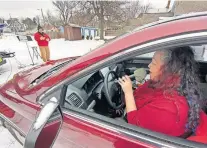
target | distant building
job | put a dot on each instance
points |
(173, 8)
(89, 32)
(183, 7)
(169, 8)
(72, 32)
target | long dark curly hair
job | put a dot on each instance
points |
(180, 73)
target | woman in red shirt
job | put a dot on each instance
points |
(170, 102)
(43, 41)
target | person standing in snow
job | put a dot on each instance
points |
(43, 41)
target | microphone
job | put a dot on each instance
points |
(139, 75)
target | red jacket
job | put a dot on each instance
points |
(41, 42)
(164, 113)
(159, 111)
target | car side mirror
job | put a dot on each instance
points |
(45, 128)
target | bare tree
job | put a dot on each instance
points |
(1, 20)
(133, 9)
(52, 19)
(104, 11)
(94, 12)
(83, 17)
(37, 18)
(29, 23)
(65, 9)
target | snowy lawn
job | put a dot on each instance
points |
(59, 48)
(7, 140)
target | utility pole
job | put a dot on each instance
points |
(168, 4)
(42, 15)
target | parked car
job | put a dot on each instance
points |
(62, 103)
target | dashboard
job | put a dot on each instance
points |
(92, 82)
(86, 90)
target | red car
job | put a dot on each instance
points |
(68, 103)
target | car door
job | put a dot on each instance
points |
(46, 126)
(80, 131)
(17, 114)
(82, 128)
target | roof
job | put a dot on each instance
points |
(89, 27)
(180, 17)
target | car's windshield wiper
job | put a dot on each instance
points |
(51, 71)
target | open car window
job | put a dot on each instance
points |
(200, 52)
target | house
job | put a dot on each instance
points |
(183, 7)
(169, 8)
(72, 32)
(149, 16)
(69, 32)
(173, 8)
(186, 7)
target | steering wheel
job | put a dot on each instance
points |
(111, 89)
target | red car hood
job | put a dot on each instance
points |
(24, 79)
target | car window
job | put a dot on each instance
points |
(200, 52)
(147, 55)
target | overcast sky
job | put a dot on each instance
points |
(22, 8)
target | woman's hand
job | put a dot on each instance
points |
(126, 84)
(42, 38)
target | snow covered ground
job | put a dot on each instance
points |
(7, 140)
(59, 49)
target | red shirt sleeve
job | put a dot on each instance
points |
(157, 116)
(37, 37)
(47, 36)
